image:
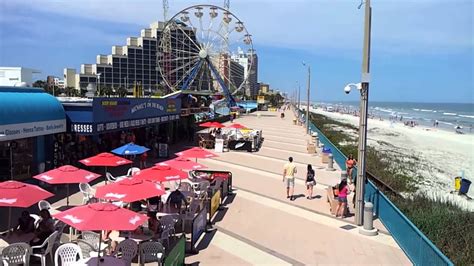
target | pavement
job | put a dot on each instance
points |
(258, 225)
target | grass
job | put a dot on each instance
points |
(447, 226)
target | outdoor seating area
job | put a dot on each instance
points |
(232, 137)
(143, 216)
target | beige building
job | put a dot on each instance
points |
(264, 88)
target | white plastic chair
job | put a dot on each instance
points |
(126, 250)
(43, 204)
(67, 254)
(87, 192)
(18, 253)
(88, 250)
(151, 251)
(44, 249)
(93, 239)
(184, 186)
(131, 171)
(37, 219)
(110, 177)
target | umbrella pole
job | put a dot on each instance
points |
(106, 175)
(67, 198)
(9, 218)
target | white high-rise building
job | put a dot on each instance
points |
(17, 76)
(249, 60)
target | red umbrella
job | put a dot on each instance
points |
(130, 190)
(105, 159)
(206, 124)
(101, 216)
(183, 164)
(18, 194)
(196, 152)
(217, 125)
(236, 126)
(161, 173)
(67, 174)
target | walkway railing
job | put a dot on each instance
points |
(419, 249)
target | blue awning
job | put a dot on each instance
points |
(80, 116)
(28, 112)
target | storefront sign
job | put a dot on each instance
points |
(33, 129)
(82, 128)
(199, 226)
(215, 202)
(133, 109)
(260, 99)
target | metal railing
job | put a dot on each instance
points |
(419, 249)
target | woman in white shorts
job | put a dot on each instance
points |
(310, 181)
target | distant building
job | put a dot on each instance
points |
(264, 88)
(17, 76)
(132, 64)
(249, 60)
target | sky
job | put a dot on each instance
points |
(421, 51)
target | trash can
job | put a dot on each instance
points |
(294, 121)
(326, 150)
(457, 183)
(465, 184)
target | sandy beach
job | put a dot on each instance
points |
(442, 154)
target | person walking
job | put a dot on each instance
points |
(289, 171)
(310, 181)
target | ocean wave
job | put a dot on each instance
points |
(415, 109)
(467, 116)
(450, 114)
(426, 110)
(383, 110)
(446, 123)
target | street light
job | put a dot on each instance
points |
(299, 94)
(98, 82)
(363, 87)
(307, 92)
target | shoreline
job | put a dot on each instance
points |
(442, 155)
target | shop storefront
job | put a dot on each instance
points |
(28, 119)
(101, 124)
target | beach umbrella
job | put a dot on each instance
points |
(130, 149)
(101, 216)
(105, 159)
(18, 194)
(161, 173)
(67, 174)
(182, 163)
(129, 190)
(196, 152)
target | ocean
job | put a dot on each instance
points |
(448, 115)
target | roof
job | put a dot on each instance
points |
(25, 105)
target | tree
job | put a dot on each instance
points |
(107, 91)
(122, 92)
(40, 84)
(71, 92)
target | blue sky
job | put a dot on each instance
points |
(421, 50)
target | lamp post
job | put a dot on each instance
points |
(98, 83)
(299, 94)
(363, 87)
(308, 94)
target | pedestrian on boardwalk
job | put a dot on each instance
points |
(289, 171)
(310, 181)
(342, 198)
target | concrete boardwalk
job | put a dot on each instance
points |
(259, 226)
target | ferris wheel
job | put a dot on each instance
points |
(205, 48)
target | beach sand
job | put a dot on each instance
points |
(443, 154)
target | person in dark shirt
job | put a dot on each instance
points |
(176, 199)
(26, 223)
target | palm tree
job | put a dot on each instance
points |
(122, 92)
(71, 92)
(107, 91)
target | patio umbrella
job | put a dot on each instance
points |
(67, 174)
(217, 125)
(161, 173)
(130, 149)
(196, 152)
(101, 216)
(236, 126)
(129, 190)
(182, 163)
(105, 159)
(18, 194)
(206, 124)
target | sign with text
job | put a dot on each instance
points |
(136, 110)
(33, 129)
(260, 99)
